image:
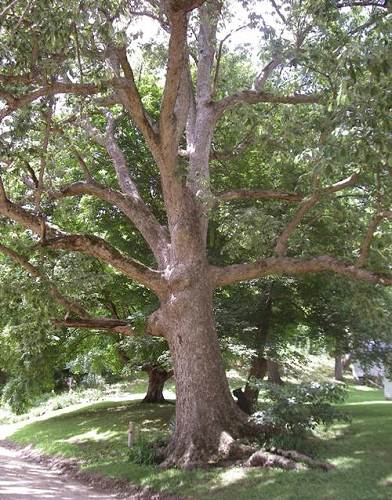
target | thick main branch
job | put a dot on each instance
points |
(291, 266)
(88, 244)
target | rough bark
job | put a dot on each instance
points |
(207, 418)
(156, 382)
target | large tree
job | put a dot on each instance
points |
(317, 56)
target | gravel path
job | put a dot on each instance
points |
(22, 480)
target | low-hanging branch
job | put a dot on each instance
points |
(68, 304)
(84, 320)
(110, 324)
(81, 89)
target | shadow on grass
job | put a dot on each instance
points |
(361, 451)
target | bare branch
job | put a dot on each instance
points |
(99, 248)
(137, 211)
(306, 205)
(7, 8)
(128, 93)
(266, 72)
(175, 72)
(278, 10)
(364, 3)
(43, 159)
(290, 266)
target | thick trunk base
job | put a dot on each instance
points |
(207, 419)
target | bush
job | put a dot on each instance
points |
(290, 411)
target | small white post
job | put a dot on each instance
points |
(131, 434)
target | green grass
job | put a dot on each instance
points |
(362, 452)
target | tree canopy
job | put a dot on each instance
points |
(187, 163)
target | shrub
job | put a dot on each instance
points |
(290, 411)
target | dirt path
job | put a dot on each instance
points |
(22, 480)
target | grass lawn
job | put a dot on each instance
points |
(362, 452)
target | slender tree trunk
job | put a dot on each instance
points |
(156, 382)
(258, 369)
(274, 372)
(338, 367)
(346, 361)
(207, 418)
(3, 378)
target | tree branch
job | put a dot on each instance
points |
(137, 211)
(168, 126)
(306, 205)
(85, 320)
(43, 159)
(113, 325)
(255, 97)
(365, 3)
(367, 241)
(129, 96)
(290, 266)
(257, 194)
(129, 201)
(50, 90)
(69, 305)
(90, 245)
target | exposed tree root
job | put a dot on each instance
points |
(284, 459)
(266, 459)
(305, 459)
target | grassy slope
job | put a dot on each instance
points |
(362, 452)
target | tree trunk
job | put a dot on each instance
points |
(338, 367)
(258, 369)
(273, 372)
(207, 418)
(156, 381)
